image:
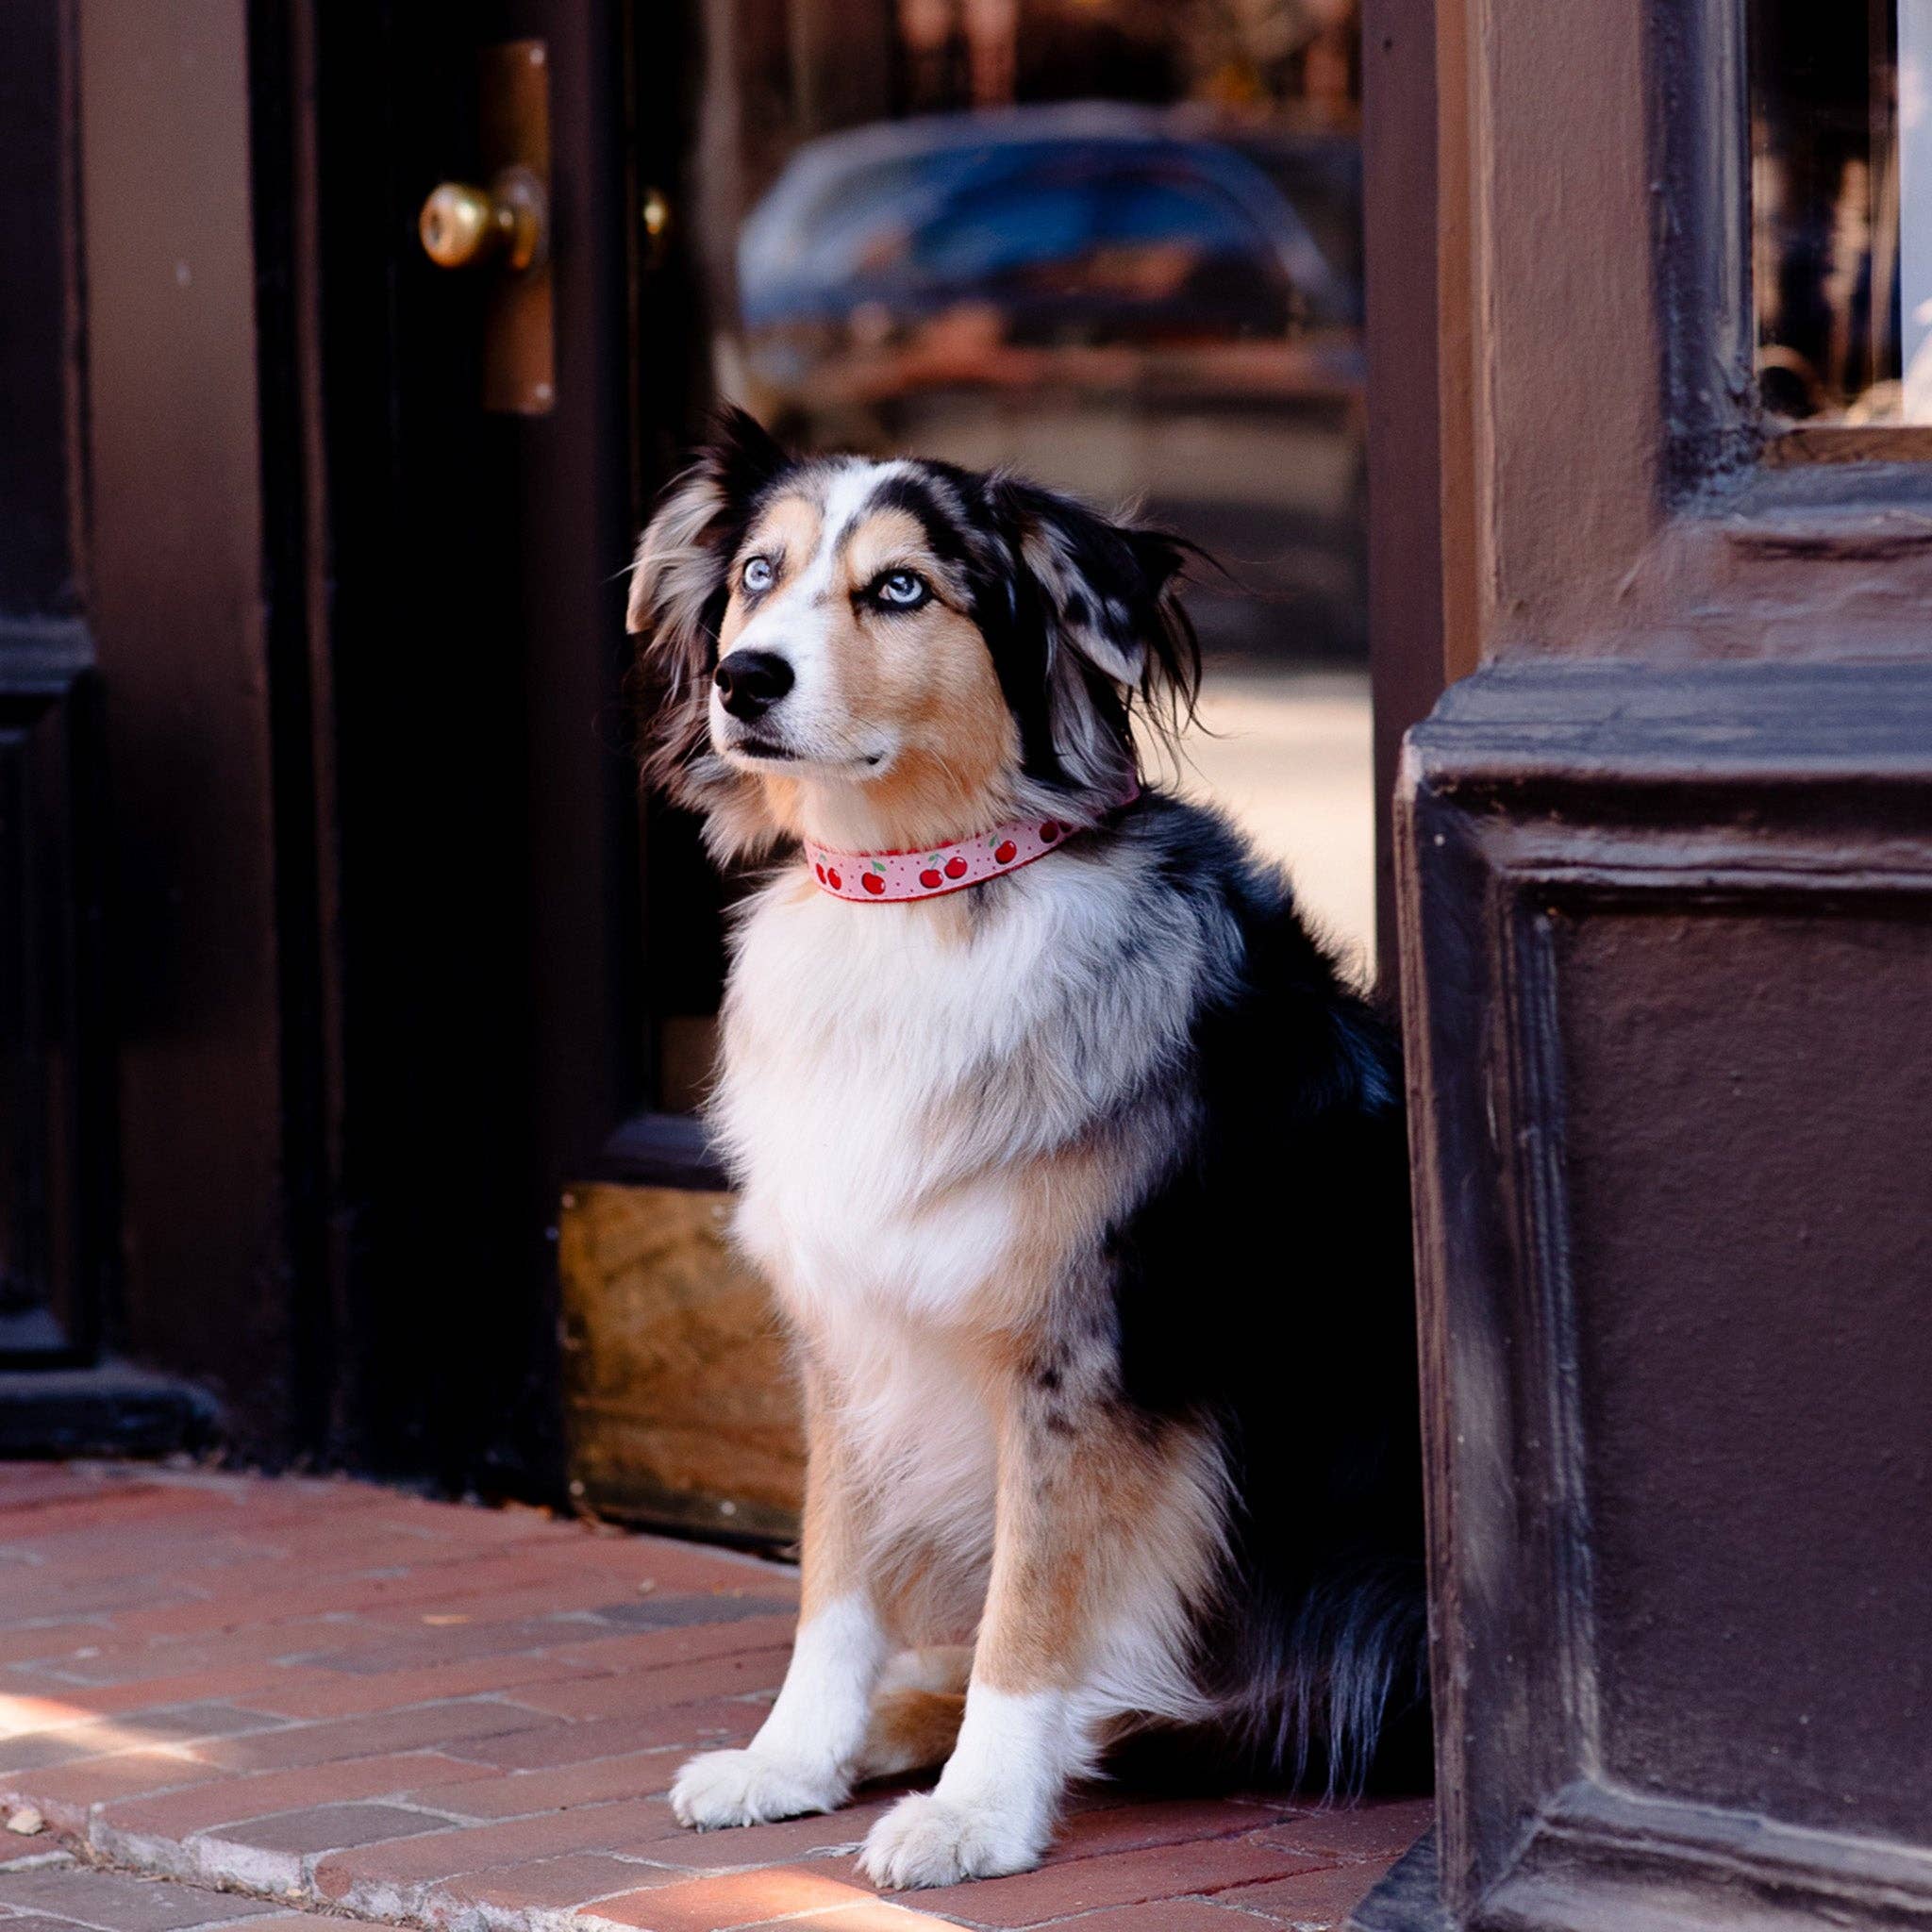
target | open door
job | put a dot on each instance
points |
(491, 426)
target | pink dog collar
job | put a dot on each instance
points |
(931, 871)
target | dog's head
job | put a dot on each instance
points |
(894, 653)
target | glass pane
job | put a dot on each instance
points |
(1115, 244)
(1841, 198)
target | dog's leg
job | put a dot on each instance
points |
(917, 1711)
(809, 1749)
(1099, 1538)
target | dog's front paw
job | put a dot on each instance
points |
(749, 1788)
(925, 1840)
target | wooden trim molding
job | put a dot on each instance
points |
(1616, 866)
(1406, 566)
(178, 598)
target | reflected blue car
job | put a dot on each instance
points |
(1059, 227)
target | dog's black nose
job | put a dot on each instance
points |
(751, 682)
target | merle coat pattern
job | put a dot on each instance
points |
(1082, 1192)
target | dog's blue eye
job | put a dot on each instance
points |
(904, 590)
(757, 573)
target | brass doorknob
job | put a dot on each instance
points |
(508, 222)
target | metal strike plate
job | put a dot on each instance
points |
(519, 332)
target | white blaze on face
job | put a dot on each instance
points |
(893, 731)
(803, 618)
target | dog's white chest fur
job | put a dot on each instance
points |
(853, 1035)
(888, 1075)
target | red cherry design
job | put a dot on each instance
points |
(929, 878)
(822, 873)
(834, 881)
(874, 884)
(1004, 852)
(1050, 831)
(955, 868)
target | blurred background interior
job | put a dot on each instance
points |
(1840, 142)
(1116, 245)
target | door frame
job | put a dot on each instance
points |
(1400, 210)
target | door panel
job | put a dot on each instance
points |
(54, 1127)
(497, 946)
(52, 1149)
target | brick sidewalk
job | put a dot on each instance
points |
(339, 1699)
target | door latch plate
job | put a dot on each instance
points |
(519, 330)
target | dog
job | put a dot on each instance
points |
(1075, 1167)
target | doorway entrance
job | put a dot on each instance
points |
(1118, 248)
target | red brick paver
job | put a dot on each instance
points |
(265, 1701)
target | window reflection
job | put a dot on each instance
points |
(1842, 200)
(1115, 244)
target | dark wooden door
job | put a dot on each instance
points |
(52, 1169)
(56, 1165)
(335, 945)
(489, 1036)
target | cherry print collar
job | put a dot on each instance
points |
(930, 872)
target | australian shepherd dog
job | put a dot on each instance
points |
(1075, 1165)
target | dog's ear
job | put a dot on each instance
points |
(1110, 586)
(678, 594)
(681, 557)
(1106, 594)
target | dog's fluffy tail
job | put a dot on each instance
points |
(1330, 1683)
